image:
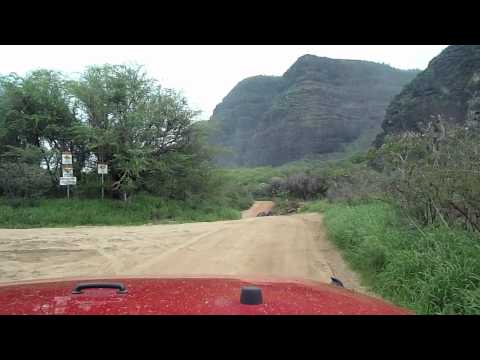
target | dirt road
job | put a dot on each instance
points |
(258, 207)
(275, 246)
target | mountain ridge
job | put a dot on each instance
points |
(318, 106)
(449, 87)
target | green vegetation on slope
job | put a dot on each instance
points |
(431, 270)
(348, 177)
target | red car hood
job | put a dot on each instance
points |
(187, 296)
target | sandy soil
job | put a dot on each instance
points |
(258, 207)
(274, 246)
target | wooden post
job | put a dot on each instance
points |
(102, 187)
(68, 192)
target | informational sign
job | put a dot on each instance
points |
(68, 180)
(102, 168)
(67, 158)
(67, 171)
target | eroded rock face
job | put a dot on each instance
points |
(450, 87)
(473, 110)
(317, 107)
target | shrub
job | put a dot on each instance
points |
(276, 187)
(357, 184)
(298, 185)
(436, 174)
(90, 186)
(23, 180)
(306, 186)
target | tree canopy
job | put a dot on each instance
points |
(111, 114)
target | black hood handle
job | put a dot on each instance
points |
(121, 289)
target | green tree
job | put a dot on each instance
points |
(132, 124)
(36, 111)
(113, 114)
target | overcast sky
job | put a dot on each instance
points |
(205, 74)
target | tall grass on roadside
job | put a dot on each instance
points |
(140, 209)
(431, 270)
(314, 206)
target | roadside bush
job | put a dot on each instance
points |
(358, 184)
(305, 186)
(225, 189)
(436, 174)
(261, 191)
(276, 187)
(285, 206)
(90, 186)
(22, 180)
(299, 185)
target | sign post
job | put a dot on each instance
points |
(66, 181)
(102, 169)
(67, 172)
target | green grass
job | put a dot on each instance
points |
(141, 209)
(315, 206)
(431, 270)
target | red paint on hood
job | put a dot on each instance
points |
(188, 296)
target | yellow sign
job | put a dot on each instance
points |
(67, 158)
(67, 170)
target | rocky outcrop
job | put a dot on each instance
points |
(450, 87)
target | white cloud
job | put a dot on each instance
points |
(204, 73)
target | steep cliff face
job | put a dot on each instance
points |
(450, 87)
(317, 107)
